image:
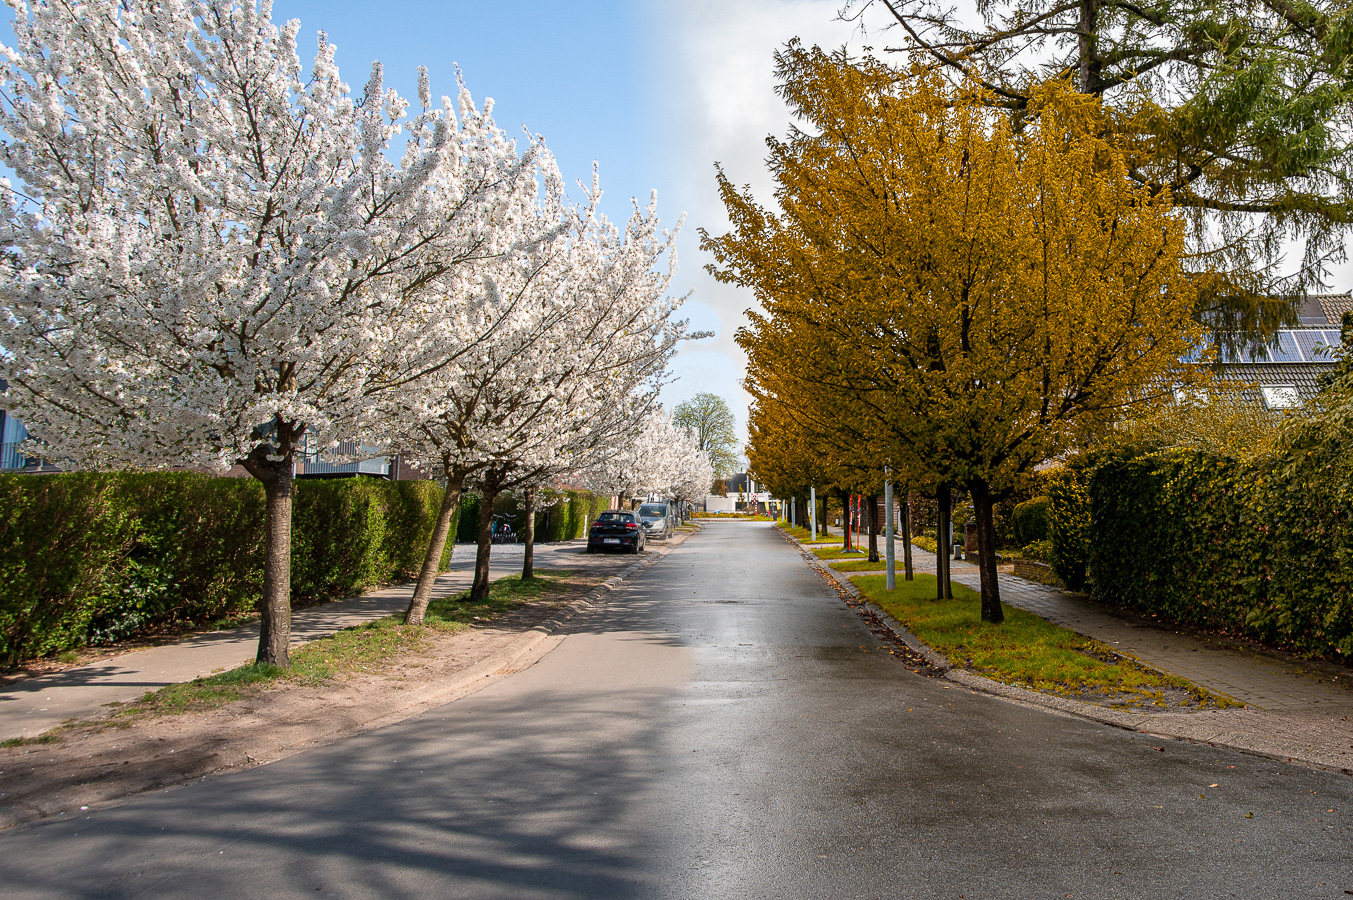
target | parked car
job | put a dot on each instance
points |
(617, 529)
(657, 519)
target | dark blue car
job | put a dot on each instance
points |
(616, 529)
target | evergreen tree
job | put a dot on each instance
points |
(1238, 110)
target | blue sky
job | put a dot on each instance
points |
(654, 90)
(575, 73)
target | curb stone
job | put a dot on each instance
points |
(1141, 723)
(940, 663)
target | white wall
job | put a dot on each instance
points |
(716, 504)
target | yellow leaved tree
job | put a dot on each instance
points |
(976, 301)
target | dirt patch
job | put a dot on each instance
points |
(100, 763)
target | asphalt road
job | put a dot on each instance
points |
(725, 728)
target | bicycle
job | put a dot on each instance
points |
(501, 532)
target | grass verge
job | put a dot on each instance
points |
(1028, 651)
(363, 648)
(47, 737)
(732, 516)
(803, 535)
(863, 565)
(835, 552)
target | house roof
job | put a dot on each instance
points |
(1305, 377)
(1333, 306)
(1311, 344)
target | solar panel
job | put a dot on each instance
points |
(1292, 345)
(1312, 344)
(1284, 348)
(1249, 355)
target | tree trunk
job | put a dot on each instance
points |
(982, 504)
(872, 520)
(822, 515)
(274, 636)
(528, 554)
(944, 499)
(844, 497)
(1088, 65)
(906, 539)
(432, 561)
(479, 591)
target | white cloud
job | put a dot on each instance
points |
(717, 86)
(703, 318)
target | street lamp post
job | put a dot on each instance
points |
(888, 529)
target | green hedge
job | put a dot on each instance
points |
(565, 515)
(350, 533)
(1260, 548)
(468, 518)
(1029, 521)
(560, 515)
(91, 558)
(1069, 522)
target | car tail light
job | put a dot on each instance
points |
(631, 526)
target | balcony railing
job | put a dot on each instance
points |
(11, 460)
(314, 463)
(378, 466)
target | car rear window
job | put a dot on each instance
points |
(613, 517)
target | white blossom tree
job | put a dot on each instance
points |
(694, 472)
(658, 458)
(212, 256)
(583, 335)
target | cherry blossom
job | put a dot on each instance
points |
(212, 255)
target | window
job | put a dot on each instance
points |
(1280, 396)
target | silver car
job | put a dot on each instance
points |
(657, 519)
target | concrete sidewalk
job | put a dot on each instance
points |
(30, 706)
(1294, 709)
